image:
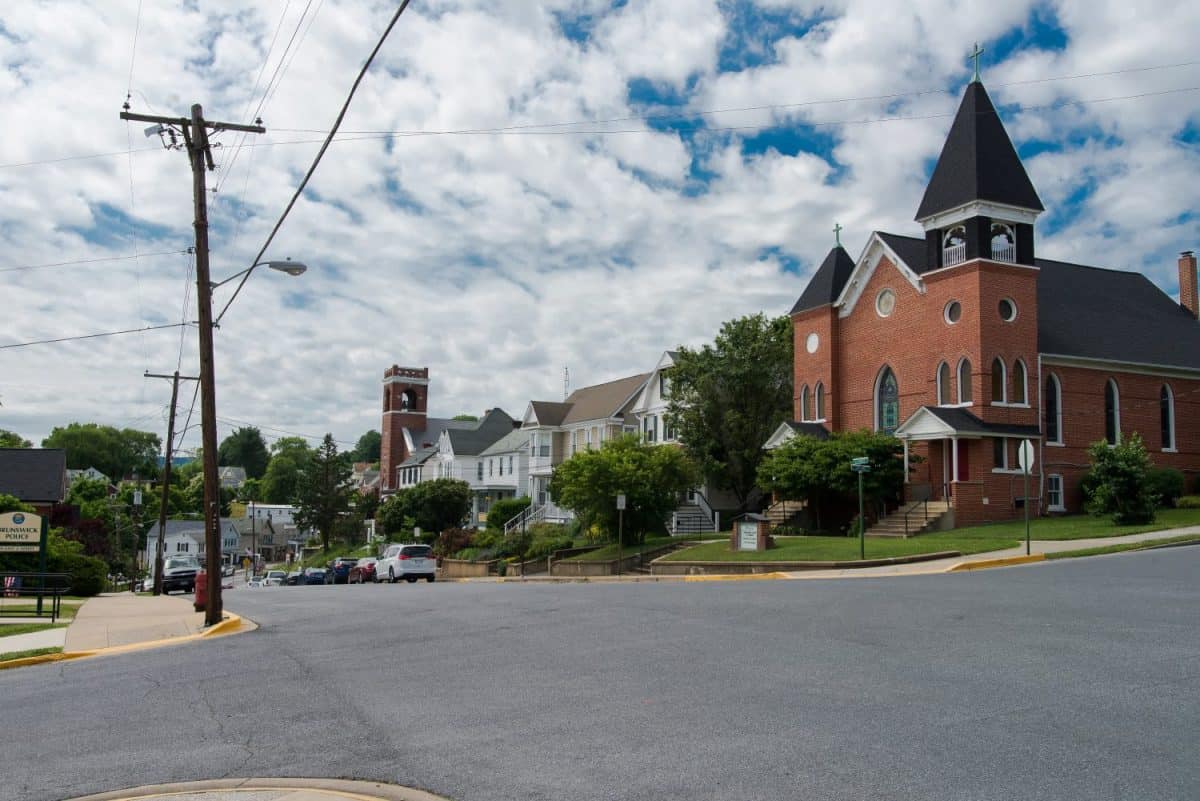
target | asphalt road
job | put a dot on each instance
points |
(1071, 680)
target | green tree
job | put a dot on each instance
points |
(11, 503)
(433, 506)
(466, 418)
(818, 470)
(11, 439)
(323, 493)
(244, 448)
(651, 477)
(368, 447)
(251, 490)
(1118, 483)
(281, 481)
(116, 453)
(726, 399)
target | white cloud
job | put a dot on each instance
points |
(497, 260)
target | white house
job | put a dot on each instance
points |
(502, 471)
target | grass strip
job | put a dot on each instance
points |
(31, 652)
(609, 552)
(844, 549)
(1127, 546)
(1082, 527)
(13, 629)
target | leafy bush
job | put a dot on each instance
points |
(787, 531)
(1118, 483)
(1167, 484)
(1188, 502)
(504, 510)
(453, 540)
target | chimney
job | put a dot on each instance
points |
(1189, 296)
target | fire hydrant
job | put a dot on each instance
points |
(201, 590)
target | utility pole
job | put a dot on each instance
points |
(137, 530)
(166, 480)
(195, 136)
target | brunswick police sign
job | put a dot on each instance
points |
(20, 532)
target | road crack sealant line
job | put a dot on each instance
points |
(232, 624)
(311, 789)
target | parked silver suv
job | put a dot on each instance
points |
(408, 562)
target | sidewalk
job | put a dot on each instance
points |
(50, 638)
(1035, 547)
(124, 618)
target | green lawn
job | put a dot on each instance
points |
(12, 629)
(31, 652)
(1079, 527)
(1126, 546)
(66, 610)
(837, 549)
(609, 552)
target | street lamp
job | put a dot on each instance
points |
(208, 406)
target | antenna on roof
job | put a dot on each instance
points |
(566, 381)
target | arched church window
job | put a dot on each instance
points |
(943, 384)
(819, 394)
(999, 382)
(887, 401)
(408, 400)
(1019, 382)
(964, 380)
(1004, 242)
(805, 403)
(1112, 413)
(954, 246)
(1166, 408)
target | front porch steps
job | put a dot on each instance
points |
(921, 517)
(783, 513)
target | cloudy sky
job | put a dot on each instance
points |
(525, 186)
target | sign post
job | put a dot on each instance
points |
(860, 465)
(620, 529)
(1025, 457)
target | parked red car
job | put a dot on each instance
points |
(363, 571)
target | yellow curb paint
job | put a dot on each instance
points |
(738, 577)
(229, 625)
(38, 660)
(256, 788)
(984, 564)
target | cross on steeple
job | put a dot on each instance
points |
(975, 55)
(837, 234)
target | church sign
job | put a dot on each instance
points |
(20, 532)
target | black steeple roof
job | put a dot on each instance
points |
(978, 162)
(827, 282)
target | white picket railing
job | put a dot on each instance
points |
(954, 254)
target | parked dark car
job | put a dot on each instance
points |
(313, 575)
(293, 578)
(179, 573)
(363, 571)
(339, 570)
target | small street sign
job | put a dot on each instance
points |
(860, 464)
(621, 501)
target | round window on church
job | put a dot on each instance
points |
(953, 312)
(885, 303)
(812, 342)
(1008, 310)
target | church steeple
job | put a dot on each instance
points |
(979, 196)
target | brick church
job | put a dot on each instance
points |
(963, 343)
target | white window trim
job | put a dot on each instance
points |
(805, 404)
(819, 402)
(940, 388)
(959, 382)
(1003, 381)
(1116, 412)
(1025, 385)
(1172, 447)
(1060, 442)
(1060, 506)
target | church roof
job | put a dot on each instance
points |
(470, 441)
(827, 282)
(1094, 313)
(978, 162)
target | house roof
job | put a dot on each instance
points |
(419, 457)
(470, 441)
(910, 249)
(34, 475)
(549, 413)
(515, 440)
(602, 401)
(827, 282)
(978, 162)
(963, 422)
(434, 426)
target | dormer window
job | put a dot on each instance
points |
(1004, 243)
(954, 246)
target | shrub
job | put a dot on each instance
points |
(787, 531)
(1188, 502)
(453, 540)
(504, 510)
(1119, 481)
(543, 546)
(1167, 484)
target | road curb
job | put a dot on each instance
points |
(44, 658)
(739, 577)
(231, 624)
(985, 564)
(230, 788)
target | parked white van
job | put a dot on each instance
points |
(408, 562)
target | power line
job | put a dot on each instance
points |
(91, 336)
(90, 261)
(137, 27)
(234, 421)
(316, 161)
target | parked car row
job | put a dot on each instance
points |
(399, 562)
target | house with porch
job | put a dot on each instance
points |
(458, 456)
(964, 343)
(502, 472)
(557, 430)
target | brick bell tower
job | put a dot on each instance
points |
(405, 401)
